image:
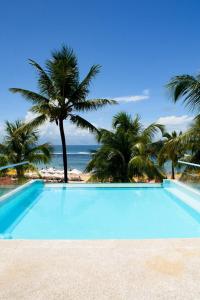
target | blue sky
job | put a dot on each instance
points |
(140, 45)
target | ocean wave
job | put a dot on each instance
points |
(72, 153)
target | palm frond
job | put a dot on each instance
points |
(82, 89)
(104, 135)
(29, 95)
(45, 84)
(149, 132)
(82, 123)
(93, 104)
(36, 122)
(188, 88)
(46, 149)
(63, 71)
(122, 120)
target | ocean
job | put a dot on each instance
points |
(78, 157)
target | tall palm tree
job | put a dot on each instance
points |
(172, 150)
(125, 152)
(22, 145)
(186, 87)
(62, 95)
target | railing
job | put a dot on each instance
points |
(190, 174)
(8, 177)
(13, 165)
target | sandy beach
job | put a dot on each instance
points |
(55, 175)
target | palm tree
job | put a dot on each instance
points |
(172, 150)
(188, 142)
(125, 152)
(62, 95)
(110, 162)
(22, 145)
(191, 139)
(188, 88)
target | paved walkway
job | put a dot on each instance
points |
(84, 270)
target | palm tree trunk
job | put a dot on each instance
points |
(64, 149)
(20, 172)
(173, 172)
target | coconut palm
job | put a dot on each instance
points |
(126, 151)
(192, 140)
(62, 95)
(172, 150)
(22, 145)
(189, 142)
(110, 162)
(186, 87)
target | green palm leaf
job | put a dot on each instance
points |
(46, 86)
(82, 123)
(29, 95)
(188, 88)
(62, 94)
(93, 104)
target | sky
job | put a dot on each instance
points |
(140, 45)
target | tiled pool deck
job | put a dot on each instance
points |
(135, 269)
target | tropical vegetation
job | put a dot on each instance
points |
(22, 145)
(187, 89)
(62, 95)
(171, 150)
(128, 151)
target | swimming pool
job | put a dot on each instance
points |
(5, 189)
(41, 211)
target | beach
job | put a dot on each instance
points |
(56, 175)
(78, 158)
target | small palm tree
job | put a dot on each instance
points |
(111, 161)
(186, 87)
(62, 95)
(171, 150)
(22, 145)
(125, 152)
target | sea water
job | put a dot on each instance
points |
(78, 156)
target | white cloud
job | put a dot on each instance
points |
(176, 122)
(49, 132)
(134, 98)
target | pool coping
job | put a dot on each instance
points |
(183, 185)
(103, 185)
(99, 185)
(18, 189)
(192, 199)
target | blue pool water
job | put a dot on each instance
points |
(6, 189)
(42, 212)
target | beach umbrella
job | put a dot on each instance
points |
(75, 171)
